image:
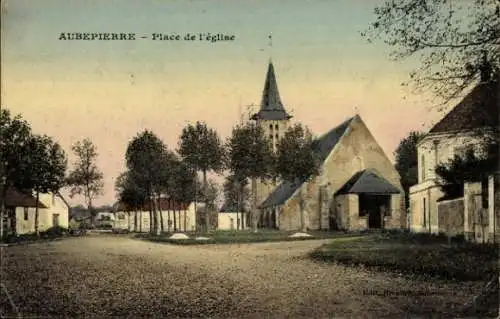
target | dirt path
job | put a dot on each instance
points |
(102, 276)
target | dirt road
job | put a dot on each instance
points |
(106, 276)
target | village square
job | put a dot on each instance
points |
(270, 218)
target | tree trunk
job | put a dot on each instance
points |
(91, 211)
(255, 218)
(205, 193)
(2, 209)
(37, 232)
(169, 221)
(162, 229)
(185, 218)
(135, 221)
(128, 221)
(140, 221)
(302, 215)
(157, 219)
(179, 219)
(175, 218)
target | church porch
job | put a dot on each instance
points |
(366, 201)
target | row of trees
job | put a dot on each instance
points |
(154, 171)
(34, 164)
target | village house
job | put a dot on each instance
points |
(230, 219)
(53, 210)
(465, 127)
(357, 188)
(172, 216)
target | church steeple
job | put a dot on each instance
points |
(271, 107)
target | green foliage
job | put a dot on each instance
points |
(249, 153)
(56, 231)
(200, 148)
(86, 179)
(15, 134)
(454, 41)
(407, 161)
(297, 160)
(236, 192)
(130, 192)
(467, 168)
(144, 157)
(28, 162)
(47, 165)
(183, 184)
(149, 164)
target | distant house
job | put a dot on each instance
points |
(230, 219)
(53, 210)
(357, 188)
(105, 219)
(463, 128)
(139, 220)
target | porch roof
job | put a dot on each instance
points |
(367, 182)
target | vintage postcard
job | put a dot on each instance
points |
(249, 159)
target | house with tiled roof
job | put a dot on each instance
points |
(53, 210)
(474, 119)
(230, 218)
(357, 188)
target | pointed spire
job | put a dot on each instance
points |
(271, 97)
(271, 107)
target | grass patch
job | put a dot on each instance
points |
(240, 237)
(52, 233)
(415, 255)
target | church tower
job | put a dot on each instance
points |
(274, 121)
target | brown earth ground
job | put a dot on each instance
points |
(116, 276)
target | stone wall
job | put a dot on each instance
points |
(451, 216)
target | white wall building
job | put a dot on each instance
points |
(463, 128)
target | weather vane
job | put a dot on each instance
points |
(270, 45)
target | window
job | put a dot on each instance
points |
(271, 137)
(422, 162)
(276, 127)
(26, 215)
(270, 127)
(276, 136)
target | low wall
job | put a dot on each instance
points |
(451, 216)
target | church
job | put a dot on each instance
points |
(357, 188)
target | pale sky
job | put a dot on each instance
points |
(111, 90)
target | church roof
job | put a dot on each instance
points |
(323, 146)
(368, 182)
(271, 107)
(478, 109)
